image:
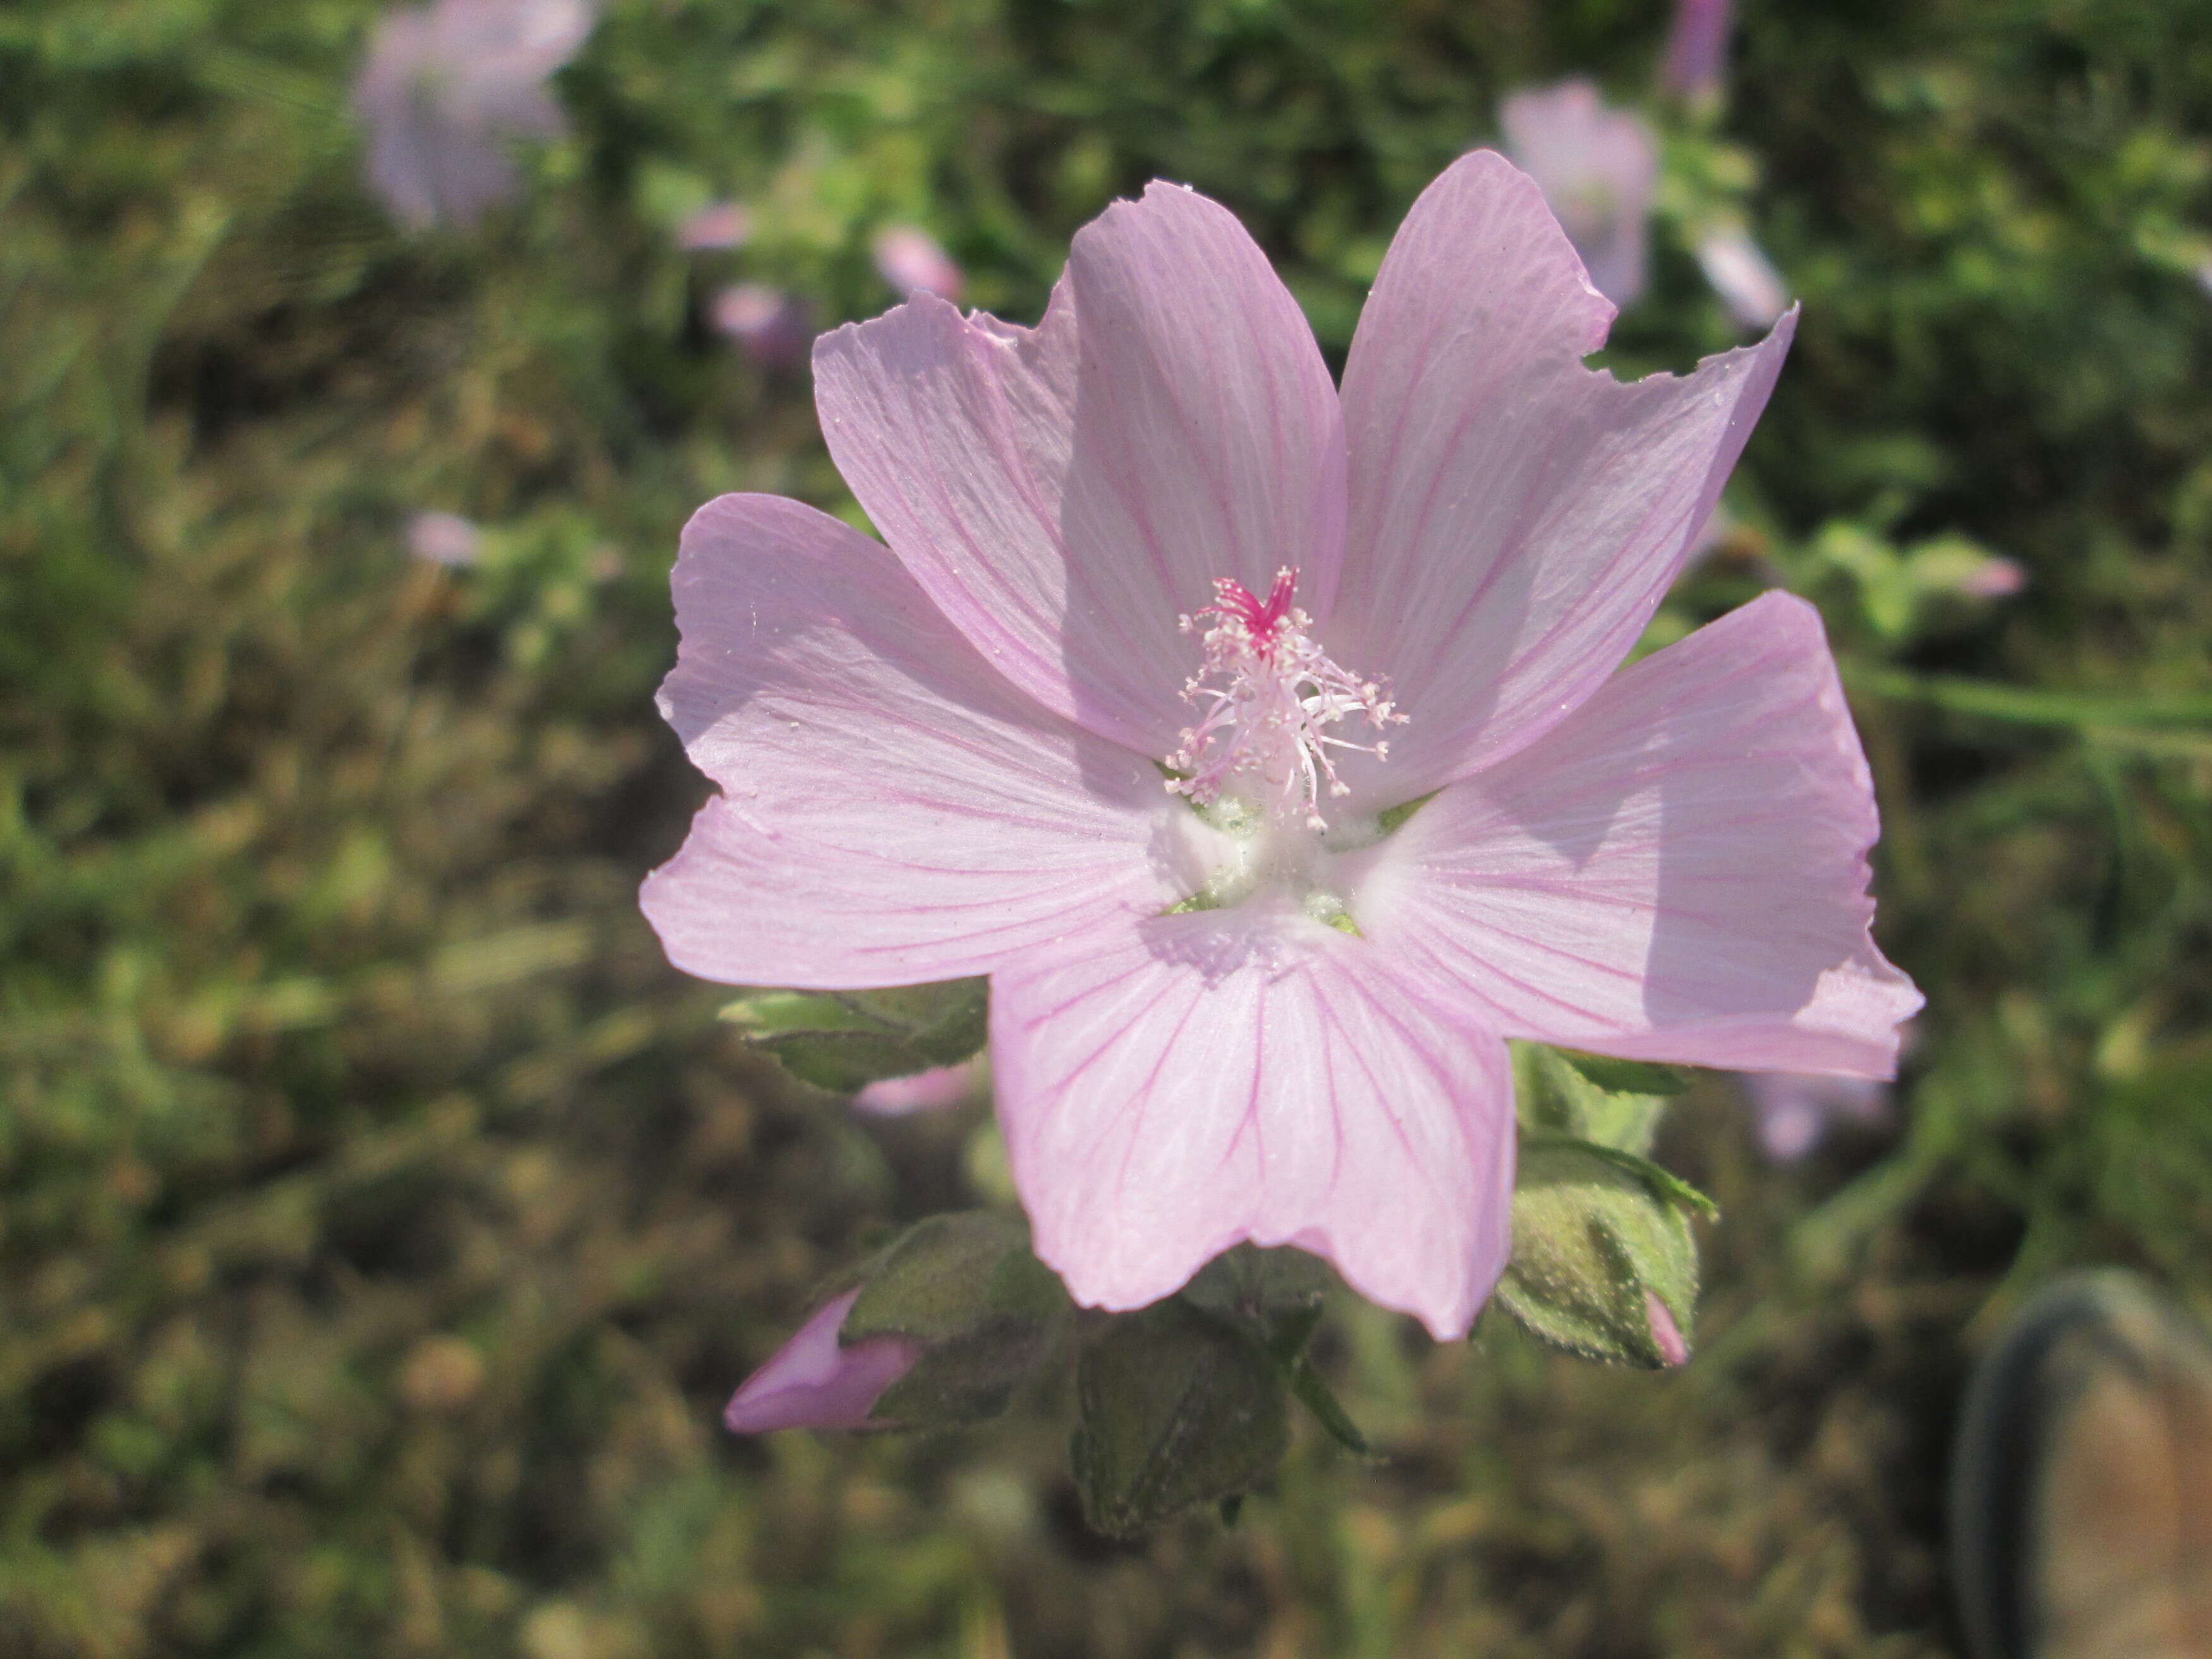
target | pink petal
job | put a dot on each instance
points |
(813, 1383)
(1515, 518)
(1248, 1074)
(1063, 494)
(892, 810)
(1677, 874)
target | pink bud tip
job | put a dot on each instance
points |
(815, 1381)
(923, 1091)
(1666, 1334)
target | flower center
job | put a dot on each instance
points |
(1266, 698)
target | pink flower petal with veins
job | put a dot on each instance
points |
(1064, 534)
(892, 811)
(1515, 518)
(1678, 873)
(813, 1381)
(1169, 1089)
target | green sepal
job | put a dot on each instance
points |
(1611, 1103)
(1595, 1229)
(1177, 1406)
(986, 1313)
(1626, 1077)
(1277, 1294)
(846, 1040)
(1391, 817)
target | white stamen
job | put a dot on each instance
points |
(1266, 694)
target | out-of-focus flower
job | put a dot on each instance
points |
(1750, 288)
(445, 89)
(1696, 61)
(1596, 166)
(446, 539)
(814, 1382)
(772, 328)
(924, 1091)
(1794, 1111)
(1995, 578)
(718, 225)
(1270, 1000)
(912, 262)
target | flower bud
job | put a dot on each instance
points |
(816, 1381)
(1604, 1264)
(943, 1326)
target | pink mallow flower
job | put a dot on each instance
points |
(1596, 166)
(1265, 867)
(814, 1382)
(912, 262)
(447, 88)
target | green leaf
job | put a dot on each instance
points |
(845, 1040)
(1612, 1102)
(1177, 1408)
(1392, 818)
(1596, 1230)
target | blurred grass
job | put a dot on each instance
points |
(381, 1221)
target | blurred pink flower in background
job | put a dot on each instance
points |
(445, 89)
(1793, 1110)
(813, 1381)
(924, 1091)
(1596, 166)
(1696, 61)
(772, 328)
(912, 262)
(1212, 1020)
(718, 225)
(1750, 288)
(1995, 578)
(444, 538)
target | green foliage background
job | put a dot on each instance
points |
(382, 1222)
